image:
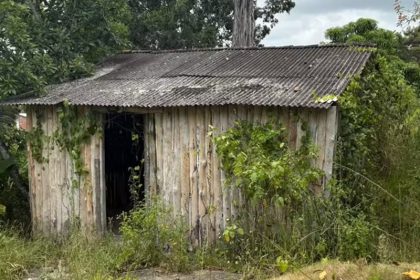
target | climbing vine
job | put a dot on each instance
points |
(36, 139)
(257, 160)
(77, 125)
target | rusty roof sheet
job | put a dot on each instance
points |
(284, 76)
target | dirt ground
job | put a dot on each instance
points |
(351, 271)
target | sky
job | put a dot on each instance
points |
(307, 22)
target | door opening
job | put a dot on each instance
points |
(124, 145)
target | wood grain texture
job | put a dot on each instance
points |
(53, 198)
(181, 166)
(204, 199)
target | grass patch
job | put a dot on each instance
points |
(19, 255)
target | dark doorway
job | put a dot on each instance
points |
(124, 145)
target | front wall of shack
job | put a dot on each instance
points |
(181, 166)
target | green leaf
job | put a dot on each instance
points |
(6, 164)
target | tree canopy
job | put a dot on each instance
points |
(51, 41)
(172, 24)
(401, 49)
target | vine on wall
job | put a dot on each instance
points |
(77, 125)
(36, 138)
(257, 160)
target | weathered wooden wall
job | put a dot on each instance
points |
(181, 164)
(55, 203)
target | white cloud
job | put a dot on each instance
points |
(308, 21)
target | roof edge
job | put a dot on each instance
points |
(329, 45)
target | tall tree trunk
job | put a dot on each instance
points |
(244, 24)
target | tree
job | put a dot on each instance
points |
(398, 48)
(377, 149)
(44, 42)
(171, 24)
(244, 24)
(407, 16)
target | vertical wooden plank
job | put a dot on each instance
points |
(31, 121)
(257, 112)
(146, 157)
(61, 177)
(54, 167)
(167, 164)
(234, 192)
(88, 188)
(102, 174)
(264, 114)
(96, 182)
(177, 161)
(152, 155)
(224, 123)
(320, 137)
(208, 190)
(159, 151)
(201, 164)
(65, 205)
(185, 162)
(331, 136)
(46, 209)
(301, 132)
(292, 128)
(243, 115)
(216, 184)
(194, 220)
(284, 117)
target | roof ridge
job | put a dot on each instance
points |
(329, 45)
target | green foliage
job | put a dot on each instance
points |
(257, 160)
(398, 48)
(377, 153)
(73, 258)
(231, 232)
(379, 107)
(356, 239)
(152, 236)
(174, 24)
(135, 183)
(48, 41)
(366, 30)
(36, 139)
(81, 258)
(281, 218)
(77, 127)
(17, 254)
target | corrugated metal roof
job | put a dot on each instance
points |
(285, 76)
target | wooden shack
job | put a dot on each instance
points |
(172, 99)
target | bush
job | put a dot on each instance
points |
(152, 236)
(356, 239)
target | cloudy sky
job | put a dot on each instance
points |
(308, 21)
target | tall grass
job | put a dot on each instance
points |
(75, 258)
(19, 255)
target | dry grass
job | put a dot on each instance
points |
(336, 270)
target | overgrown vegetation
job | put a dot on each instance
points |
(370, 212)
